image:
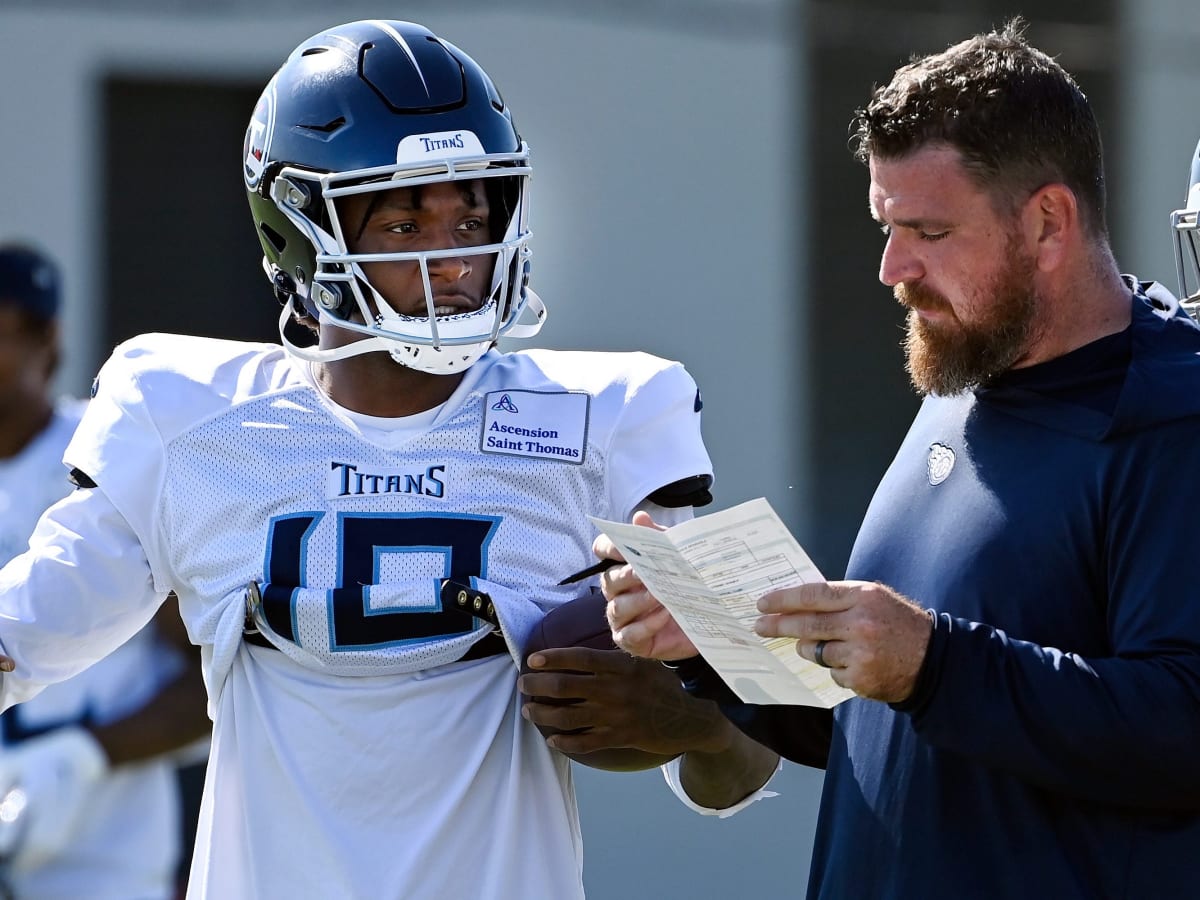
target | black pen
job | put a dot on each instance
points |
(602, 566)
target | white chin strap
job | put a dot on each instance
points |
(448, 359)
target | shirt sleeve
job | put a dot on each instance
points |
(1122, 727)
(118, 444)
(657, 440)
(1119, 724)
(671, 774)
(801, 734)
(81, 590)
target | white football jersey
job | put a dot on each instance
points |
(357, 757)
(128, 842)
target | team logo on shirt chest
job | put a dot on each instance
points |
(543, 425)
(350, 480)
(939, 464)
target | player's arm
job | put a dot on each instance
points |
(657, 463)
(57, 773)
(610, 710)
(801, 734)
(724, 766)
(81, 590)
(729, 769)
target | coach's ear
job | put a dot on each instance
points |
(1051, 224)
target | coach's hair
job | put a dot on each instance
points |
(1015, 115)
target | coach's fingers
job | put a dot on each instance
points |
(643, 518)
(628, 605)
(655, 635)
(817, 596)
(620, 580)
(604, 548)
(637, 637)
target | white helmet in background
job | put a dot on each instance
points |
(1186, 230)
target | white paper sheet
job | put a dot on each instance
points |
(709, 573)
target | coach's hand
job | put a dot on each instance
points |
(640, 624)
(875, 639)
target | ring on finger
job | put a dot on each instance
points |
(819, 655)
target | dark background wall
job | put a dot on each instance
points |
(179, 251)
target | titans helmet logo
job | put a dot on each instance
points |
(940, 463)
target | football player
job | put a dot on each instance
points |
(89, 801)
(319, 505)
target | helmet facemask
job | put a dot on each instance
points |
(342, 295)
(371, 106)
(1186, 231)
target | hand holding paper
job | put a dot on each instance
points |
(640, 624)
(709, 573)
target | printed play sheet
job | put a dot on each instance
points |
(709, 573)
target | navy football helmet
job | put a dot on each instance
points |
(367, 107)
(1186, 230)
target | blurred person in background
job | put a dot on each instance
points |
(89, 802)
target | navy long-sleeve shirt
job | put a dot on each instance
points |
(1052, 744)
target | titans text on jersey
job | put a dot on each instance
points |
(349, 481)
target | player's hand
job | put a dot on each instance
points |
(606, 699)
(875, 638)
(639, 623)
(47, 782)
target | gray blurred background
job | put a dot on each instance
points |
(693, 197)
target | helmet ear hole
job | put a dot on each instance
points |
(502, 197)
(273, 237)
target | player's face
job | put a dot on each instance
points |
(430, 217)
(26, 358)
(958, 266)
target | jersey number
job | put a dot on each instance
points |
(361, 539)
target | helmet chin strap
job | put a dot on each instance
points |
(398, 348)
(534, 305)
(317, 354)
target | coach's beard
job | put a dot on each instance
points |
(950, 357)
